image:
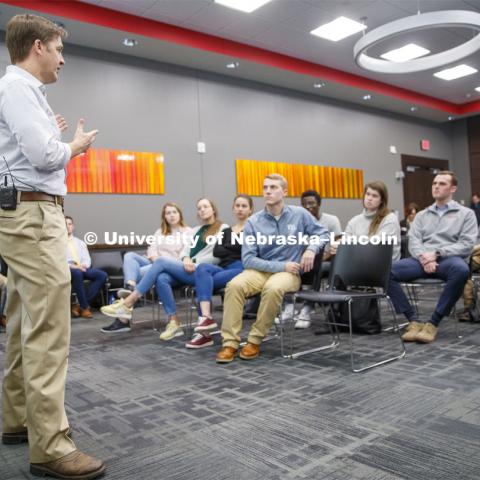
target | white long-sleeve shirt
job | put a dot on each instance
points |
(29, 135)
(82, 252)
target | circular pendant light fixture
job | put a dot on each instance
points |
(446, 18)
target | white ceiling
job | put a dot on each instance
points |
(283, 26)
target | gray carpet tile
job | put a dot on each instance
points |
(155, 410)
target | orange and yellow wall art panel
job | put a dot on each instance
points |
(330, 182)
(100, 170)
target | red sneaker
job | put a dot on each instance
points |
(205, 324)
(200, 341)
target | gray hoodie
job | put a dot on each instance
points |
(452, 234)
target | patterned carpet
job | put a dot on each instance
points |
(156, 410)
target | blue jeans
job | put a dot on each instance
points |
(453, 270)
(135, 266)
(209, 278)
(97, 279)
(166, 273)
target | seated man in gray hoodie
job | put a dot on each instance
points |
(441, 240)
(274, 254)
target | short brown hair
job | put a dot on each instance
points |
(23, 30)
(278, 178)
(454, 180)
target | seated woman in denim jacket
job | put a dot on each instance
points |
(209, 277)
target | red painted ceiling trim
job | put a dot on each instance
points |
(76, 10)
(471, 107)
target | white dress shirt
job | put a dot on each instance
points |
(29, 135)
(81, 250)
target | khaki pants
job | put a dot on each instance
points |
(468, 290)
(272, 287)
(33, 243)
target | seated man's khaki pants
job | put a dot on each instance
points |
(272, 286)
(468, 290)
(33, 242)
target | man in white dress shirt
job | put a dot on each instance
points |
(33, 243)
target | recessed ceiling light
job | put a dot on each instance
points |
(338, 29)
(243, 5)
(455, 72)
(367, 97)
(405, 53)
(130, 42)
(319, 84)
(233, 65)
(414, 108)
(478, 89)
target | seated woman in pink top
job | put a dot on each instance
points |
(170, 240)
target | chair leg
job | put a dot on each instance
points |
(335, 341)
(456, 322)
(395, 329)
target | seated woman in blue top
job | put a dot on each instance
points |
(209, 277)
(167, 273)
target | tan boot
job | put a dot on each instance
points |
(226, 355)
(86, 313)
(77, 465)
(412, 330)
(250, 351)
(76, 310)
(428, 333)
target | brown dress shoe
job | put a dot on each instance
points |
(226, 354)
(76, 310)
(77, 465)
(86, 313)
(250, 351)
(3, 320)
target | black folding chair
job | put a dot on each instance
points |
(357, 266)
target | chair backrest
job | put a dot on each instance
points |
(362, 266)
(109, 261)
(317, 271)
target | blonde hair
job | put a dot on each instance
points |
(217, 223)
(165, 226)
(23, 30)
(278, 178)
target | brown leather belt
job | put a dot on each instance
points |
(40, 197)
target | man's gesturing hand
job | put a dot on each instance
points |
(61, 123)
(82, 140)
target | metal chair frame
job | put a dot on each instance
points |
(353, 267)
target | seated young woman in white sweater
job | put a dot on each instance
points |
(167, 273)
(376, 218)
(169, 239)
